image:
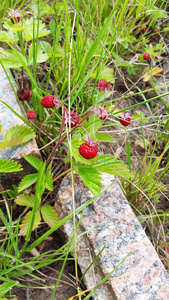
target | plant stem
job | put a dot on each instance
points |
(4, 195)
(58, 142)
(62, 140)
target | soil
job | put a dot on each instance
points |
(66, 287)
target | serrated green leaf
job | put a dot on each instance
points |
(27, 181)
(106, 73)
(104, 137)
(100, 97)
(59, 52)
(46, 46)
(9, 37)
(111, 165)
(9, 166)
(91, 178)
(25, 222)
(49, 179)
(41, 56)
(75, 152)
(33, 161)
(49, 215)
(17, 135)
(11, 60)
(25, 200)
(29, 24)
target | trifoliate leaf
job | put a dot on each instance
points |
(34, 161)
(25, 200)
(9, 166)
(91, 178)
(27, 181)
(30, 29)
(104, 137)
(25, 222)
(49, 215)
(111, 165)
(17, 135)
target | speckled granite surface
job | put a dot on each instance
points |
(8, 119)
(141, 276)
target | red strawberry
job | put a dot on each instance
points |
(47, 101)
(72, 116)
(23, 94)
(143, 30)
(125, 119)
(14, 16)
(88, 149)
(31, 114)
(146, 56)
(47, 21)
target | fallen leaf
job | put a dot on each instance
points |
(155, 72)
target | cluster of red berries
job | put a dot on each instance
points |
(89, 148)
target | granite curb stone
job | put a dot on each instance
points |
(141, 276)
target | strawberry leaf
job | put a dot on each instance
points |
(34, 161)
(25, 200)
(27, 181)
(41, 56)
(25, 222)
(49, 179)
(49, 215)
(17, 135)
(9, 166)
(91, 178)
(111, 165)
(104, 137)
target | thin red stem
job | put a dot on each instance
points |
(104, 96)
(62, 140)
(86, 132)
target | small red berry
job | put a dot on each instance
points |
(47, 21)
(146, 56)
(47, 101)
(104, 85)
(14, 16)
(23, 94)
(31, 114)
(125, 119)
(72, 116)
(88, 149)
(143, 30)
